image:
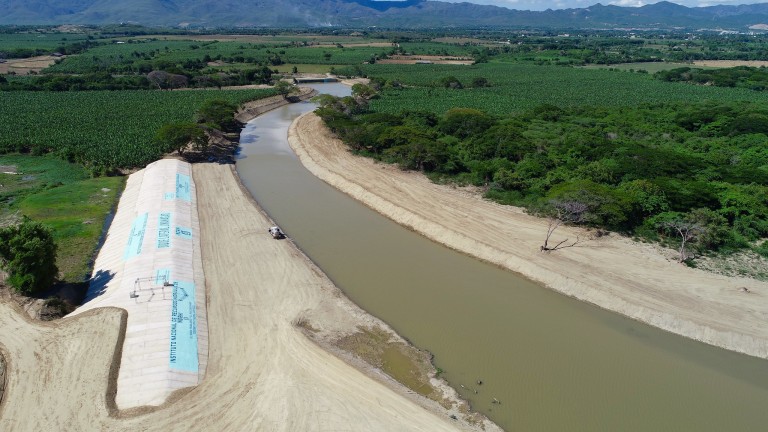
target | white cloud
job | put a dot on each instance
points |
(563, 4)
(628, 3)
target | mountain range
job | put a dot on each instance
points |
(365, 13)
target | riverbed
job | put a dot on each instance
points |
(551, 362)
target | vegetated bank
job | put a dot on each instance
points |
(647, 169)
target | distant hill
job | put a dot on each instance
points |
(361, 13)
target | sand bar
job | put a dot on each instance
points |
(613, 272)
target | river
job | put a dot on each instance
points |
(554, 363)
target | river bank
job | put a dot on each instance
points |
(253, 109)
(289, 299)
(612, 272)
(285, 351)
(263, 372)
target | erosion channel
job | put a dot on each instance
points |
(551, 362)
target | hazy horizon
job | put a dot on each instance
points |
(539, 5)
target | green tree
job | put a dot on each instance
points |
(505, 140)
(285, 88)
(715, 231)
(177, 136)
(450, 82)
(28, 254)
(219, 114)
(465, 122)
(606, 207)
(363, 91)
(480, 82)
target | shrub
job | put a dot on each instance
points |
(28, 254)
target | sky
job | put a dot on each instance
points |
(563, 4)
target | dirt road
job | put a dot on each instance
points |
(613, 272)
(59, 376)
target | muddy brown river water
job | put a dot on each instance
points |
(553, 363)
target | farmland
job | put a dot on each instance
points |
(516, 87)
(650, 67)
(101, 128)
(271, 39)
(33, 41)
(130, 57)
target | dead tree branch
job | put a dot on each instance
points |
(569, 212)
(687, 231)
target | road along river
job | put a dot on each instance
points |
(551, 362)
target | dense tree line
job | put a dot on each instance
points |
(169, 78)
(215, 114)
(595, 47)
(64, 49)
(641, 170)
(741, 76)
(58, 82)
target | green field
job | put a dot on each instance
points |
(60, 195)
(650, 67)
(100, 128)
(435, 48)
(129, 57)
(267, 39)
(76, 213)
(45, 41)
(516, 87)
(638, 151)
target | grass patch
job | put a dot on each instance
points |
(76, 213)
(33, 174)
(404, 363)
(61, 195)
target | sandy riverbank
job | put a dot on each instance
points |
(613, 272)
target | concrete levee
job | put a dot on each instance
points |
(150, 265)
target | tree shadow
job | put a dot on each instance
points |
(98, 284)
